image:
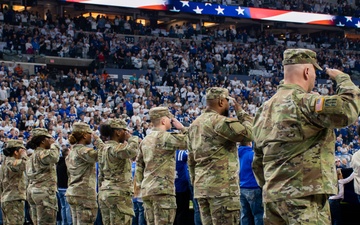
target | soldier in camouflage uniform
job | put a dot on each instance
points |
(80, 163)
(213, 161)
(294, 142)
(155, 167)
(12, 186)
(41, 173)
(115, 182)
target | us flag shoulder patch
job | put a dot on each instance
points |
(319, 105)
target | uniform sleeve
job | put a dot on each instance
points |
(140, 165)
(88, 154)
(100, 176)
(174, 141)
(17, 165)
(233, 129)
(191, 164)
(184, 130)
(257, 166)
(1, 180)
(50, 156)
(127, 151)
(99, 144)
(334, 111)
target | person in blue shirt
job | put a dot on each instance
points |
(184, 191)
(139, 218)
(252, 210)
(182, 187)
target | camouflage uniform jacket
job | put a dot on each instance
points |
(80, 164)
(115, 164)
(155, 163)
(13, 183)
(294, 139)
(213, 161)
(41, 168)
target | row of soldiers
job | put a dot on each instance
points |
(293, 160)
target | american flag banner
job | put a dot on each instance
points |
(141, 4)
(200, 8)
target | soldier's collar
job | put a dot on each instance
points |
(210, 110)
(112, 141)
(156, 129)
(291, 86)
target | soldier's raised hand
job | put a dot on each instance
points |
(177, 124)
(127, 135)
(237, 106)
(22, 152)
(332, 72)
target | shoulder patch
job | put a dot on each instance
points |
(330, 102)
(319, 104)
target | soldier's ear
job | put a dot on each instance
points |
(306, 73)
(221, 102)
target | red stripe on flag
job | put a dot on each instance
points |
(77, 1)
(257, 13)
(322, 22)
(153, 7)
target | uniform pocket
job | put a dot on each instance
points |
(167, 202)
(51, 200)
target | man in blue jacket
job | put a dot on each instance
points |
(250, 193)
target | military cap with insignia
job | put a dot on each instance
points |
(15, 144)
(81, 127)
(300, 56)
(117, 124)
(218, 93)
(158, 112)
(40, 132)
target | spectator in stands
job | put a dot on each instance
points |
(355, 165)
(252, 210)
(182, 188)
(62, 178)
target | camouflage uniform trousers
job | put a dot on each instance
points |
(309, 210)
(43, 206)
(83, 211)
(220, 211)
(160, 209)
(13, 212)
(116, 209)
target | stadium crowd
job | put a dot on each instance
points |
(235, 51)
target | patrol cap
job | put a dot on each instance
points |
(15, 144)
(117, 124)
(158, 112)
(217, 93)
(81, 127)
(300, 56)
(40, 132)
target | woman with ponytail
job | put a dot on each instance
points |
(115, 181)
(41, 172)
(12, 178)
(80, 163)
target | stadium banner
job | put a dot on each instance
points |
(141, 4)
(240, 12)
